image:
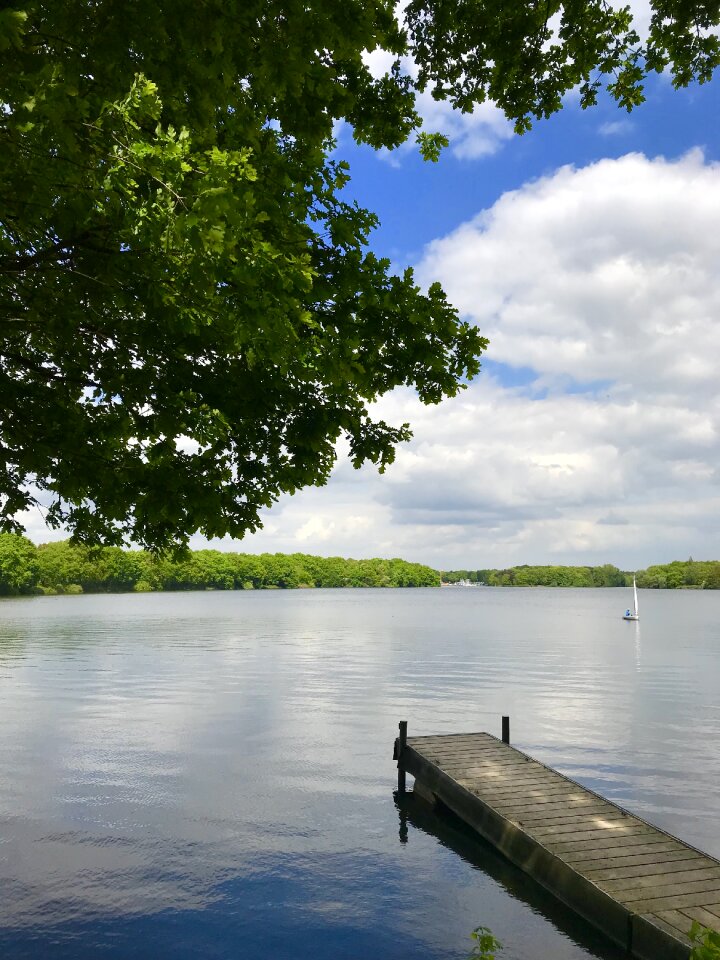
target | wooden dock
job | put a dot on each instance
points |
(642, 887)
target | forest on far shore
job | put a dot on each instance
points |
(62, 567)
(678, 575)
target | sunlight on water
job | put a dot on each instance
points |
(211, 775)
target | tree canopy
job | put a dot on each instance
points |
(63, 567)
(542, 576)
(678, 575)
(191, 315)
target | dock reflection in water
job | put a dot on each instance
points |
(453, 834)
(208, 775)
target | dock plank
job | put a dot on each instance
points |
(672, 900)
(612, 824)
(640, 885)
(510, 792)
(664, 867)
(582, 858)
(561, 811)
(707, 916)
(601, 841)
(679, 882)
(569, 801)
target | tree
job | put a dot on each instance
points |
(61, 564)
(527, 56)
(18, 564)
(190, 314)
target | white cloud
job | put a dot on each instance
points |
(614, 128)
(472, 135)
(600, 284)
(315, 529)
(603, 282)
(608, 272)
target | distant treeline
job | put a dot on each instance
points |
(63, 568)
(681, 574)
(525, 576)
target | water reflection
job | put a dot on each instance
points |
(638, 646)
(453, 834)
(182, 774)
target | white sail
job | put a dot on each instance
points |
(633, 615)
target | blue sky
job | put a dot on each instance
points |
(418, 201)
(588, 251)
(540, 461)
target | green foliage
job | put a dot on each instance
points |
(706, 943)
(64, 567)
(190, 316)
(431, 145)
(678, 575)
(486, 946)
(18, 564)
(526, 57)
(681, 575)
(526, 576)
(55, 567)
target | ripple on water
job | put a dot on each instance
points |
(184, 774)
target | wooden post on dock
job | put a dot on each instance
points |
(402, 743)
(506, 729)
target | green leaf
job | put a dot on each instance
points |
(431, 145)
(13, 24)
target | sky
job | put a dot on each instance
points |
(588, 252)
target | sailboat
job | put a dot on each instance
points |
(633, 614)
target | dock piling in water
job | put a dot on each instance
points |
(401, 745)
(642, 887)
(506, 729)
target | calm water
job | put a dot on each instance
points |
(211, 774)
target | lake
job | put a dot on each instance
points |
(210, 775)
